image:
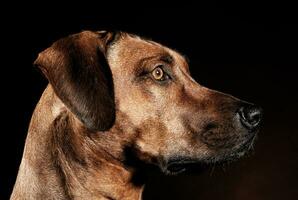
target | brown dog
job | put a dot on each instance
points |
(116, 100)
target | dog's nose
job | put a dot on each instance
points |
(250, 116)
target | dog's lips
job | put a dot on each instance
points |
(178, 166)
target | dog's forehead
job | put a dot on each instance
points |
(131, 48)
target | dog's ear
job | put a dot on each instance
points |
(77, 69)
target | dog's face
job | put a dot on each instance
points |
(174, 120)
(178, 120)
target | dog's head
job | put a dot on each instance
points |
(117, 79)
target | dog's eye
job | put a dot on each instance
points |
(159, 74)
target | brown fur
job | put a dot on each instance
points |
(103, 114)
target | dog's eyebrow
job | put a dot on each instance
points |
(162, 57)
(167, 58)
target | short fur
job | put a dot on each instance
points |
(103, 113)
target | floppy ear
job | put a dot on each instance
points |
(79, 73)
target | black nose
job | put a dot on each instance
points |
(250, 116)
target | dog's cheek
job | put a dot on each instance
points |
(152, 137)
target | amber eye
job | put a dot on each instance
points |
(158, 74)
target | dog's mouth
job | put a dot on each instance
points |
(177, 166)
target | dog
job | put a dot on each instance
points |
(115, 100)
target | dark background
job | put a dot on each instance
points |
(248, 49)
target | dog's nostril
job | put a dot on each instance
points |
(250, 116)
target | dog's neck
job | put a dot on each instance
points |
(63, 160)
(89, 162)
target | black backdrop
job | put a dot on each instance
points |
(246, 49)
